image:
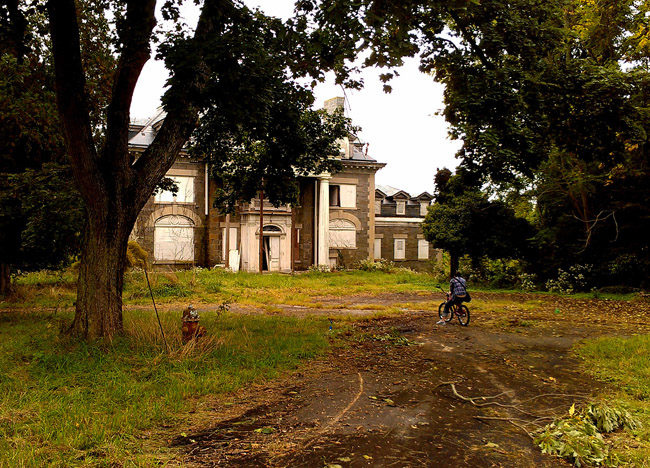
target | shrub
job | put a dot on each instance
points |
(527, 281)
(377, 265)
(577, 278)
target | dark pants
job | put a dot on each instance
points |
(454, 301)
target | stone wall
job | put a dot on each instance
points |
(362, 215)
(412, 233)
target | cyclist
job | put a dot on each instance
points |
(457, 294)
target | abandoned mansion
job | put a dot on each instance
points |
(341, 218)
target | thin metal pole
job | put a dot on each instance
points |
(146, 275)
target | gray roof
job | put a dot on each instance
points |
(388, 190)
(143, 131)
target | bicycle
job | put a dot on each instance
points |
(459, 310)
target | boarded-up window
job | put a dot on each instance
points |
(343, 234)
(185, 192)
(174, 239)
(348, 196)
(377, 248)
(401, 207)
(400, 249)
(423, 208)
(377, 207)
(423, 249)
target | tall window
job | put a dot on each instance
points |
(185, 192)
(377, 207)
(377, 253)
(400, 249)
(423, 208)
(174, 239)
(401, 207)
(343, 234)
(423, 249)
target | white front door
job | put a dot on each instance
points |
(274, 253)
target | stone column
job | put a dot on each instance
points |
(323, 258)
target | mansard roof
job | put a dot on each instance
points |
(387, 191)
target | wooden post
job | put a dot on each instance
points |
(261, 229)
(227, 241)
(293, 239)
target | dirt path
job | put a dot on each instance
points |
(377, 400)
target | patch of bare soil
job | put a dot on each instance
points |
(384, 397)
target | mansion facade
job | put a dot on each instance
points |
(341, 218)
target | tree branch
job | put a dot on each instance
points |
(470, 40)
(183, 113)
(72, 100)
(136, 36)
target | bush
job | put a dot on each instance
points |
(578, 278)
(376, 265)
(495, 273)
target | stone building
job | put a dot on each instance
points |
(342, 218)
(398, 228)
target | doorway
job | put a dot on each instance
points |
(271, 248)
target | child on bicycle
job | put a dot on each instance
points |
(457, 293)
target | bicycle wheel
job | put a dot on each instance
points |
(441, 313)
(463, 315)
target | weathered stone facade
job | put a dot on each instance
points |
(341, 219)
(398, 229)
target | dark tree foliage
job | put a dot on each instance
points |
(549, 98)
(274, 136)
(464, 221)
(41, 215)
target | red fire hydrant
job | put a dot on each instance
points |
(191, 328)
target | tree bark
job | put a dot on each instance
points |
(113, 189)
(5, 279)
(454, 262)
(101, 279)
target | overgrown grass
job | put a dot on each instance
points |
(625, 363)
(52, 289)
(58, 289)
(64, 402)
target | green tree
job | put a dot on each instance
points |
(464, 221)
(213, 67)
(536, 91)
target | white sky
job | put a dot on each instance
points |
(401, 126)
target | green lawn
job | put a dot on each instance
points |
(625, 364)
(57, 289)
(64, 403)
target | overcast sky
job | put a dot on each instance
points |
(401, 127)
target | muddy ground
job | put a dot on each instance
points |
(383, 396)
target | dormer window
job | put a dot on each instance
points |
(401, 207)
(377, 207)
(424, 206)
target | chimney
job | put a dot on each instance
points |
(333, 104)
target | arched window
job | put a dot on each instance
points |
(343, 234)
(271, 229)
(174, 239)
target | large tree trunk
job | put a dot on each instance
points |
(101, 279)
(454, 262)
(5, 279)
